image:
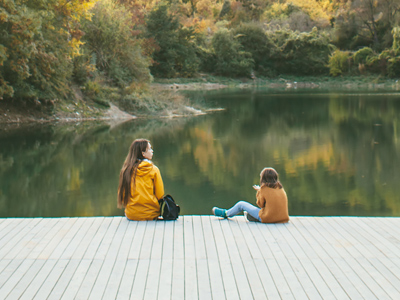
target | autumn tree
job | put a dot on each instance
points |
(38, 40)
(111, 46)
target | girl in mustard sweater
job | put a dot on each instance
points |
(271, 200)
(140, 183)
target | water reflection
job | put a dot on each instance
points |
(336, 154)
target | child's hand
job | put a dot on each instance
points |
(256, 187)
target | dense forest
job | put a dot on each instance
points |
(110, 49)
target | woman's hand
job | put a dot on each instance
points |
(256, 187)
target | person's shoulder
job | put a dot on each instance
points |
(268, 189)
(155, 168)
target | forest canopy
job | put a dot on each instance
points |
(49, 48)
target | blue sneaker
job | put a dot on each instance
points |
(219, 212)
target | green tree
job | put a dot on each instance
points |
(253, 39)
(230, 58)
(175, 54)
(112, 47)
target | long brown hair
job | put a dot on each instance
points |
(132, 161)
(270, 178)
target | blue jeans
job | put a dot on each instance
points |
(244, 206)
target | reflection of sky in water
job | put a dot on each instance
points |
(336, 155)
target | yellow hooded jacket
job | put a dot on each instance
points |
(143, 203)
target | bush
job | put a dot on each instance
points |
(393, 67)
(230, 59)
(254, 40)
(339, 63)
(361, 56)
(305, 53)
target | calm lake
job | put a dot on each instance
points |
(337, 154)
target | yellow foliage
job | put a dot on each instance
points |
(75, 46)
(77, 9)
(203, 25)
(204, 7)
(315, 9)
(74, 11)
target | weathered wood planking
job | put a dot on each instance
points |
(200, 257)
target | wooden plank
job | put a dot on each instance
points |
(178, 265)
(10, 225)
(45, 287)
(96, 241)
(36, 244)
(251, 234)
(371, 254)
(202, 272)
(228, 277)
(26, 280)
(87, 254)
(388, 227)
(214, 269)
(381, 287)
(57, 239)
(191, 283)
(89, 282)
(348, 253)
(14, 236)
(116, 276)
(3, 264)
(25, 245)
(78, 276)
(311, 251)
(29, 241)
(8, 270)
(5, 222)
(15, 265)
(16, 276)
(139, 283)
(379, 240)
(82, 238)
(153, 274)
(125, 289)
(253, 278)
(309, 277)
(336, 251)
(242, 282)
(297, 291)
(67, 239)
(49, 241)
(109, 262)
(165, 285)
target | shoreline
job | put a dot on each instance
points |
(22, 114)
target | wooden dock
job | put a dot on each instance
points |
(200, 257)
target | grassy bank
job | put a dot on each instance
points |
(284, 80)
(100, 101)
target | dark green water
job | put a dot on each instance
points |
(337, 154)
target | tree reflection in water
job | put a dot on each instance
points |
(336, 154)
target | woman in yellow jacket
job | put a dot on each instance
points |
(140, 183)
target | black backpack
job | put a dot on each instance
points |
(169, 210)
